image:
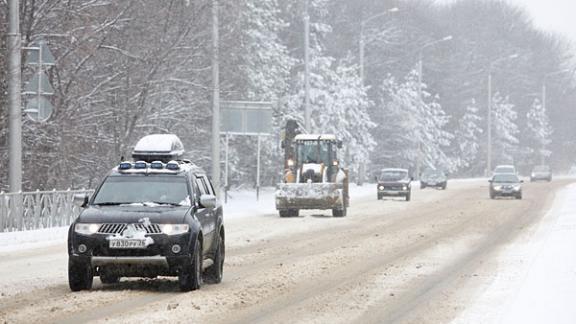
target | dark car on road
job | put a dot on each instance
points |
(394, 182)
(432, 178)
(541, 172)
(155, 216)
(505, 185)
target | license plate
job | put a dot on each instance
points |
(127, 244)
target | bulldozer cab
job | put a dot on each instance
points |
(317, 149)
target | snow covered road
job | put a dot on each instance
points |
(432, 260)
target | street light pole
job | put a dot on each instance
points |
(362, 40)
(489, 113)
(215, 99)
(307, 112)
(544, 97)
(13, 41)
(420, 72)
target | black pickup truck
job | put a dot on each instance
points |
(155, 216)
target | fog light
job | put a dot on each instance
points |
(82, 248)
(176, 248)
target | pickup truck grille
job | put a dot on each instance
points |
(112, 228)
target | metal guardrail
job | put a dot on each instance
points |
(38, 209)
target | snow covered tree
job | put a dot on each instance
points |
(505, 130)
(467, 136)
(413, 127)
(539, 131)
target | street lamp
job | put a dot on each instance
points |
(420, 71)
(362, 41)
(489, 119)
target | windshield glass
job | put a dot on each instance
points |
(506, 178)
(504, 169)
(542, 168)
(170, 190)
(433, 173)
(393, 175)
(313, 152)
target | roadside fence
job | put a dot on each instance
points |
(38, 209)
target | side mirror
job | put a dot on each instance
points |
(376, 178)
(411, 178)
(81, 200)
(521, 181)
(490, 180)
(208, 201)
(339, 144)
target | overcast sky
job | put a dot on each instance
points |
(551, 15)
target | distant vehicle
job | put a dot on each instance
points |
(541, 172)
(155, 216)
(505, 185)
(504, 169)
(434, 179)
(394, 183)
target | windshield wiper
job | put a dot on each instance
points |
(164, 203)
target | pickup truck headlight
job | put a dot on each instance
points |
(516, 188)
(381, 187)
(86, 229)
(497, 188)
(174, 229)
(404, 187)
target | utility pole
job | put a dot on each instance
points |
(215, 100)
(14, 100)
(489, 116)
(307, 112)
(420, 102)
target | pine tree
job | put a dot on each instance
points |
(539, 131)
(467, 136)
(505, 130)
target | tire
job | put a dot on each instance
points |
(215, 272)
(519, 196)
(492, 196)
(422, 186)
(284, 213)
(337, 212)
(444, 186)
(109, 279)
(409, 196)
(80, 276)
(289, 212)
(190, 276)
(379, 197)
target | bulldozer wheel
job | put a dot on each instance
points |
(284, 213)
(339, 212)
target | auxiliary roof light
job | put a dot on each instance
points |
(140, 165)
(157, 165)
(125, 166)
(172, 165)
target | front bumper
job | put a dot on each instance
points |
(156, 259)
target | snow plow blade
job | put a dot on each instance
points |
(309, 196)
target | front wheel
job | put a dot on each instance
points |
(519, 196)
(408, 196)
(190, 276)
(337, 212)
(215, 272)
(80, 275)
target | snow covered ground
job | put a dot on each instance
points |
(536, 277)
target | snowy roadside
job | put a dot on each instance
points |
(240, 204)
(536, 278)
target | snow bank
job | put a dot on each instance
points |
(240, 204)
(536, 279)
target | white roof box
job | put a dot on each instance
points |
(158, 147)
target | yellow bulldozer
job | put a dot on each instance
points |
(313, 177)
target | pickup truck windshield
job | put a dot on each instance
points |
(147, 190)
